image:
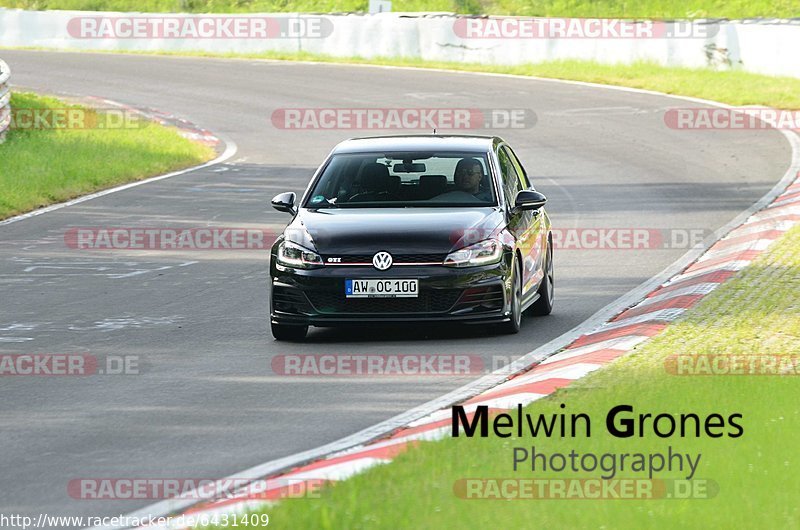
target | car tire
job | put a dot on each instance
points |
(515, 323)
(544, 304)
(288, 332)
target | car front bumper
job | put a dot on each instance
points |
(316, 297)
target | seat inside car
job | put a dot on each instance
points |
(376, 183)
(395, 183)
(431, 186)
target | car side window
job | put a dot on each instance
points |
(520, 169)
(511, 181)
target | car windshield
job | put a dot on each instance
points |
(396, 180)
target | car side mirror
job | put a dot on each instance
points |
(529, 200)
(284, 202)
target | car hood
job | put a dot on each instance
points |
(396, 230)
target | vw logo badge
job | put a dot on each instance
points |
(382, 261)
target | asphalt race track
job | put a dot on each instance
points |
(207, 403)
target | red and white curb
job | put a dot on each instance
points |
(587, 353)
(185, 128)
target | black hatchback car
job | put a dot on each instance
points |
(413, 228)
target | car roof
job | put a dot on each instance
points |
(421, 142)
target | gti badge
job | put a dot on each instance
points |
(382, 261)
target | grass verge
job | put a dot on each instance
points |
(550, 8)
(757, 473)
(734, 87)
(46, 166)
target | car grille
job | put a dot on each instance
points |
(396, 258)
(428, 301)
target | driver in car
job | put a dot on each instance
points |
(468, 177)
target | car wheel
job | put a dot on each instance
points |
(513, 325)
(288, 332)
(544, 305)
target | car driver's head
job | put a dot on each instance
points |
(468, 175)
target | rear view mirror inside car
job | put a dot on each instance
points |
(409, 167)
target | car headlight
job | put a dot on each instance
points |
(483, 253)
(293, 255)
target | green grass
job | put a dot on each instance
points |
(758, 474)
(734, 87)
(551, 8)
(42, 167)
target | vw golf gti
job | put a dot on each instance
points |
(413, 228)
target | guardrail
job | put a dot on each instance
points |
(760, 45)
(5, 100)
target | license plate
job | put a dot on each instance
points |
(381, 288)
